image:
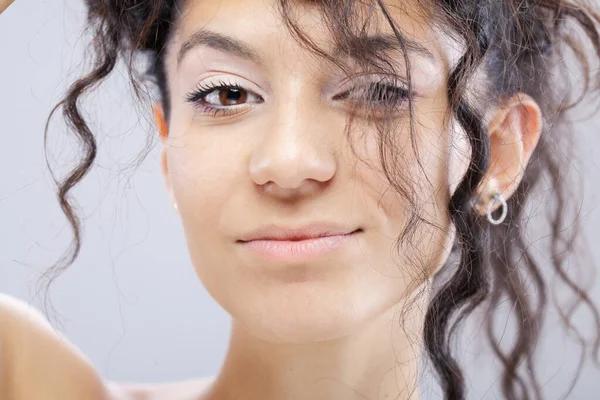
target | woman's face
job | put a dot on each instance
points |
(276, 153)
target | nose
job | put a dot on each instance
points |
(297, 154)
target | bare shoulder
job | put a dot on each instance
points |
(38, 362)
(16, 313)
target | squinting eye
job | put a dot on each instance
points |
(387, 94)
(378, 94)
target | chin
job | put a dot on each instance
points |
(309, 314)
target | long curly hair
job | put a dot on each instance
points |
(518, 46)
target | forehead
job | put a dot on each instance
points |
(260, 24)
(305, 11)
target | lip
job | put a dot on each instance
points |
(310, 231)
(296, 251)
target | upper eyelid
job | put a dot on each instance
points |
(370, 78)
(375, 78)
(231, 79)
(225, 107)
(220, 83)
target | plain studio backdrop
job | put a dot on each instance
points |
(132, 302)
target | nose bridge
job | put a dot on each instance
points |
(295, 148)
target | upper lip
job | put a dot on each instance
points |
(314, 230)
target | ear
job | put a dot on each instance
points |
(163, 130)
(159, 119)
(514, 128)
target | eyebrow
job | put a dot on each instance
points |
(239, 48)
(218, 41)
(372, 45)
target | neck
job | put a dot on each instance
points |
(380, 361)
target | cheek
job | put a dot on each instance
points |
(424, 176)
(204, 184)
(198, 183)
(203, 179)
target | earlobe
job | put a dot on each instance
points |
(159, 119)
(514, 131)
(163, 131)
(166, 177)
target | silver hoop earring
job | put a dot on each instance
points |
(500, 198)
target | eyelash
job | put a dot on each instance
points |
(400, 94)
(197, 97)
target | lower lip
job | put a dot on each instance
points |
(298, 251)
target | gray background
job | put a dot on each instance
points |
(132, 302)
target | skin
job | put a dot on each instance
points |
(4, 4)
(327, 329)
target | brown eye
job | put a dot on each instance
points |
(222, 99)
(232, 96)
